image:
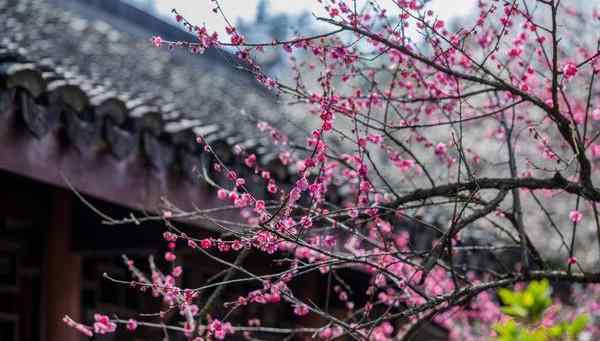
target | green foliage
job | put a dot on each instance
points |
(527, 308)
(529, 304)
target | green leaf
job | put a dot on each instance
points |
(507, 331)
(529, 299)
(508, 297)
(578, 325)
(515, 311)
(537, 335)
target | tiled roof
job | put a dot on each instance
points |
(107, 88)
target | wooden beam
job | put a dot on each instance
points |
(131, 183)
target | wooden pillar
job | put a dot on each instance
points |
(62, 271)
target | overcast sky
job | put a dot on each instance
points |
(199, 11)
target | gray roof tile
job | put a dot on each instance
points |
(104, 86)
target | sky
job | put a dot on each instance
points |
(199, 11)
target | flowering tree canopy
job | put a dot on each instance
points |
(490, 125)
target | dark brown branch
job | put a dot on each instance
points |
(557, 182)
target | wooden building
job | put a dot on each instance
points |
(87, 103)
